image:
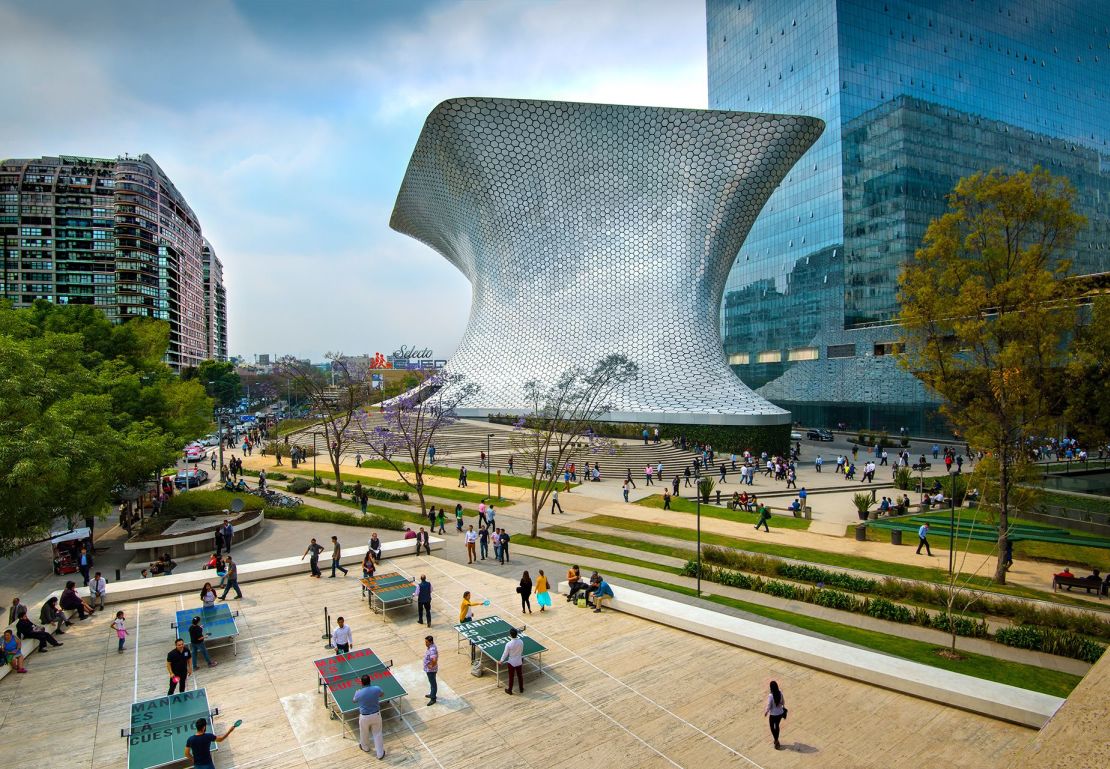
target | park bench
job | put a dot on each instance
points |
(1087, 584)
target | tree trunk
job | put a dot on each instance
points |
(535, 509)
(420, 494)
(1003, 514)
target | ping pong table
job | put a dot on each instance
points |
(341, 676)
(388, 591)
(160, 727)
(218, 622)
(489, 636)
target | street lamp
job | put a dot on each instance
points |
(314, 461)
(697, 501)
(951, 526)
(488, 464)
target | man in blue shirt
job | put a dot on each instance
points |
(198, 748)
(603, 591)
(368, 699)
(923, 539)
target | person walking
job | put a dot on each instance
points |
(336, 555)
(555, 501)
(229, 533)
(196, 643)
(491, 516)
(496, 536)
(458, 518)
(525, 590)
(483, 542)
(482, 514)
(624, 490)
(543, 596)
(505, 546)
(431, 668)
(232, 580)
(471, 542)
(648, 472)
(342, 636)
(119, 627)
(514, 656)
(313, 552)
(764, 516)
(179, 664)
(369, 701)
(923, 539)
(198, 748)
(441, 520)
(424, 600)
(775, 711)
(98, 588)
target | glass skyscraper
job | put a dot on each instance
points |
(915, 96)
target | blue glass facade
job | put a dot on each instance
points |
(915, 96)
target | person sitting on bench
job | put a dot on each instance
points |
(1065, 574)
(574, 583)
(601, 593)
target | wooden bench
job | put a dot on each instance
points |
(1087, 584)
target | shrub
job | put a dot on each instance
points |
(300, 486)
(880, 608)
(303, 513)
(782, 590)
(1051, 641)
(834, 599)
(903, 479)
(964, 626)
(214, 502)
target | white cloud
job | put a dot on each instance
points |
(290, 147)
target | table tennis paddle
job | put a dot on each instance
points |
(238, 723)
(485, 602)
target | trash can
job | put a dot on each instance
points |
(861, 533)
(895, 536)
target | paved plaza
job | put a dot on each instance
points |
(614, 691)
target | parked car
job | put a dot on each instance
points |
(194, 476)
(195, 453)
(210, 440)
(795, 435)
(819, 435)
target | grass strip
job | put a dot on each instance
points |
(319, 515)
(472, 476)
(351, 475)
(679, 505)
(585, 552)
(619, 541)
(872, 565)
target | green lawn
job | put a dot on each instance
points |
(976, 665)
(635, 544)
(473, 477)
(429, 491)
(712, 511)
(585, 552)
(286, 426)
(809, 555)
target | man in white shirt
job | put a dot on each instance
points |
(98, 586)
(514, 655)
(341, 637)
(471, 543)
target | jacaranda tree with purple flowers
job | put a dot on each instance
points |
(337, 398)
(406, 426)
(559, 422)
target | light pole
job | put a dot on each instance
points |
(314, 461)
(220, 437)
(488, 463)
(951, 527)
(697, 501)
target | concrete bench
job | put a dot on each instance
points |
(1007, 703)
(33, 647)
(188, 581)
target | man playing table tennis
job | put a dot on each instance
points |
(198, 748)
(368, 699)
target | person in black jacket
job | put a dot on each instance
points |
(26, 629)
(424, 600)
(525, 590)
(50, 614)
(422, 541)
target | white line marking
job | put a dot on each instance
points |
(135, 698)
(420, 739)
(552, 639)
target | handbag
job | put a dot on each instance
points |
(581, 603)
(784, 712)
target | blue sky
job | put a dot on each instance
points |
(288, 126)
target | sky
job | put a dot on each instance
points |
(288, 126)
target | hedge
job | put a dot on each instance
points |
(372, 491)
(1051, 641)
(207, 502)
(305, 513)
(774, 439)
(933, 595)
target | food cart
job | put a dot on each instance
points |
(67, 547)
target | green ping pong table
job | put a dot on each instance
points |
(388, 591)
(488, 637)
(341, 675)
(160, 727)
(218, 623)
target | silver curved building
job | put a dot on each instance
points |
(588, 229)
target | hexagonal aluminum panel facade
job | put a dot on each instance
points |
(589, 229)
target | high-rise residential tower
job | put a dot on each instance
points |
(115, 234)
(215, 303)
(914, 96)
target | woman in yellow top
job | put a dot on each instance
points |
(465, 614)
(543, 598)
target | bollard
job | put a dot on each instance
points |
(327, 630)
(895, 536)
(861, 533)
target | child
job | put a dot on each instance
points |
(119, 625)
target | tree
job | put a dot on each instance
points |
(407, 425)
(219, 379)
(1088, 409)
(84, 405)
(337, 399)
(986, 311)
(560, 420)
